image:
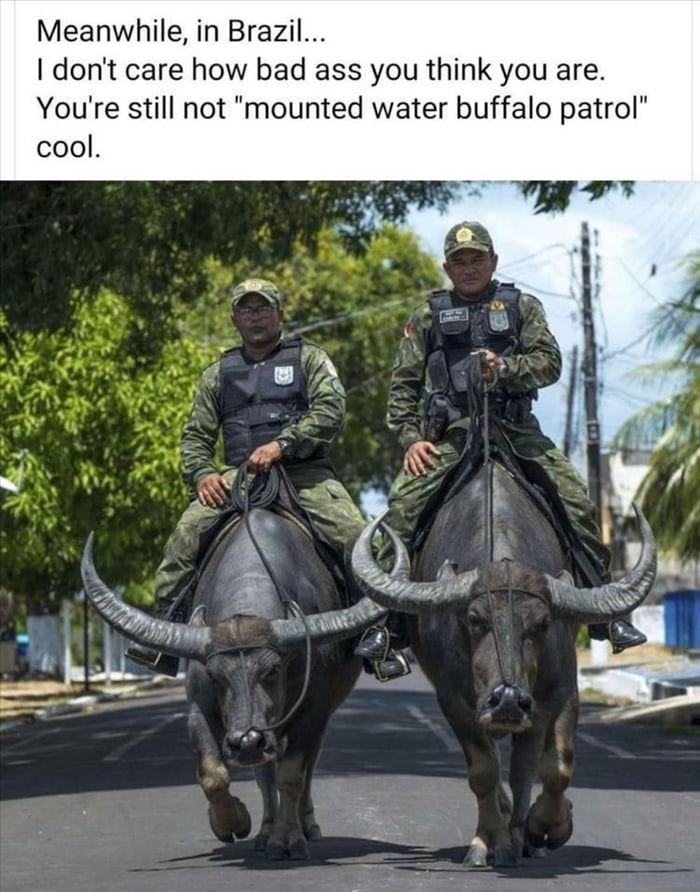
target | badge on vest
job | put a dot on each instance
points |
(459, 314)
(454, 321)
(284, 375)
(498, 316)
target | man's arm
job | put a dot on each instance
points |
(326, 397)
(407, 381)
(540, 361)
(201, 429)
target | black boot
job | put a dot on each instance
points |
(377, 640)
(374, 644)
(380, 647)
(621, 634)
(175, 610)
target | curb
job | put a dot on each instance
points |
(86, 701)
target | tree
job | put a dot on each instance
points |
(670, 492)
(101, 432)
(62, 242)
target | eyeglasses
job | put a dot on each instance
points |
(265, 310)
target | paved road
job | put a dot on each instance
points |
(107, 802)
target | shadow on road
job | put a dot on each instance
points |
(143, 746)
(570, 861)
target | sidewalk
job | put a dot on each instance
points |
(36, 699)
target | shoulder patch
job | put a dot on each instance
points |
(337, 387)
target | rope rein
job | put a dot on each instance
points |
(485, 387)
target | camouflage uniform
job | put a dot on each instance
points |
(538, 365)
(322, 495)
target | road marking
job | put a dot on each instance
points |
(611, 748)
(117, 753)
(445, 736)
(25, 742)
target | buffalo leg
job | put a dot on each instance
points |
(312, 831)
(549, 821)
(294, 773)
(265, 778)
(524, 762)
(492, 836)
(228, 816)
(288, 836)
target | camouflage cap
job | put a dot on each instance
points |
(256, 286)
(467, 235)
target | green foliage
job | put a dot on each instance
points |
(102, 432)
(552, 196)
(149, 241)
(670, 492)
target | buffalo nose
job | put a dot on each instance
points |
(508, 696)
(247, 743)
(252, 743)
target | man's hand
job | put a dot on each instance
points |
(418, 458)
(265, 456)
(492, 366)
(213, 491)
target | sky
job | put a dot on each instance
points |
(642, 242)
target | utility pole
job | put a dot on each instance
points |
(569, 426)
(590, 377)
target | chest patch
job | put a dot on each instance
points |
(284, 375)
(498, 316)
(458, 314)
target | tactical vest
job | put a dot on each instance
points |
(258, 399)
(459, 327)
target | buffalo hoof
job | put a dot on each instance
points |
(313, 833)
(556, 842)
(299, 850)
(556, 836)
(530, 851)
(475, 857)
(275, 851)
(261, 842)
(233, 823)
(504, 858)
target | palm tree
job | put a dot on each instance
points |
(670, 492)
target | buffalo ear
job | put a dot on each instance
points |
(197, 618)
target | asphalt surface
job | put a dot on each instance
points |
(108, 801)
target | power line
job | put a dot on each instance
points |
(539, 290)
(644, 334)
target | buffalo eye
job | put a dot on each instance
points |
(272, 674)
(476, 623)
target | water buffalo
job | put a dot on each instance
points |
(259, 694)
(495, 616)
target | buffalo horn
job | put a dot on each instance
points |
(606, 602)
(333, 625)
(177, 639)
(450, 591)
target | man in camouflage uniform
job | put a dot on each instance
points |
(274, 399)
(428, 413)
